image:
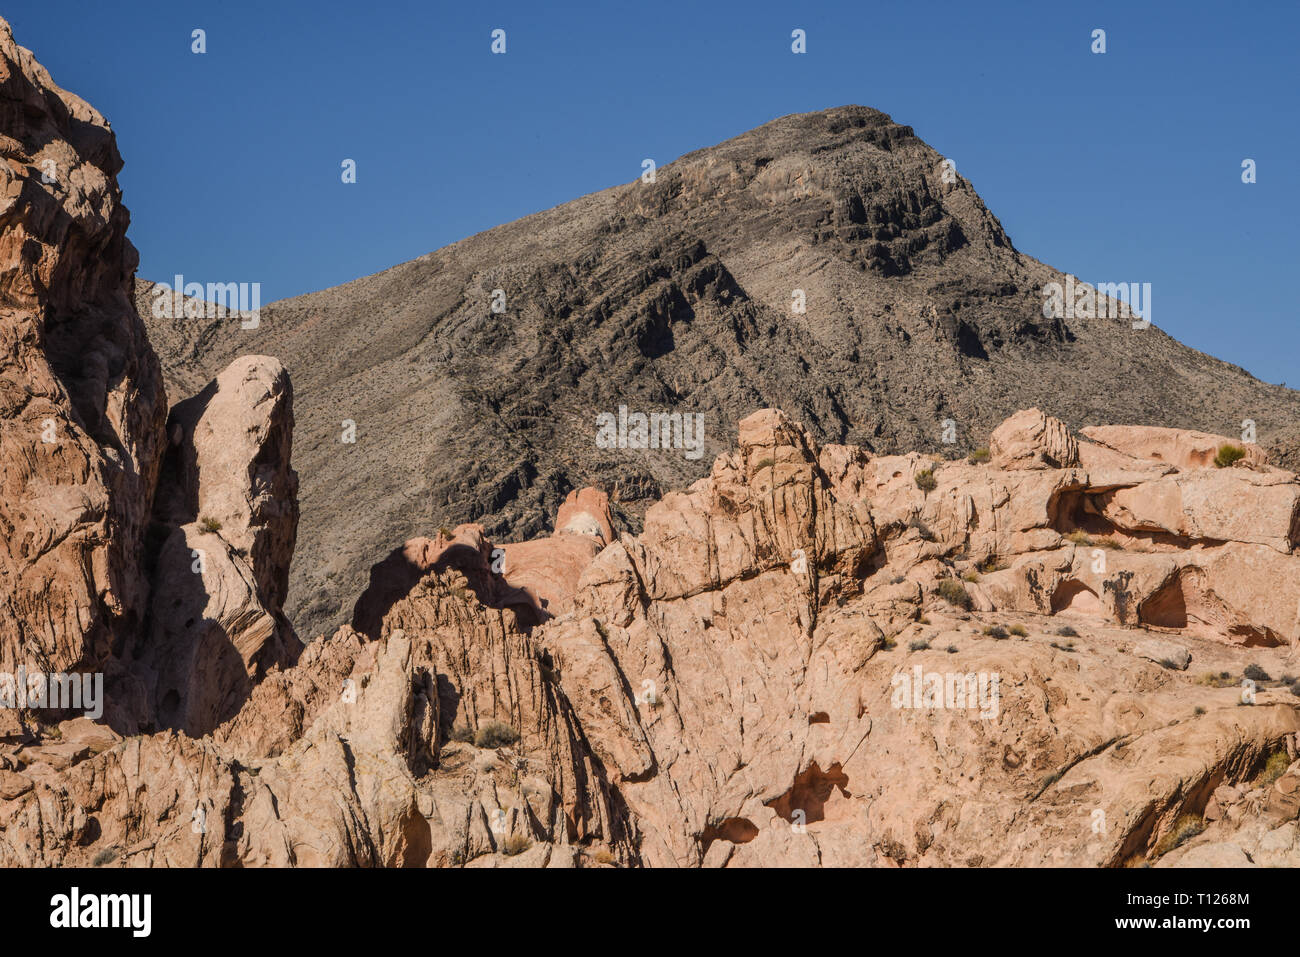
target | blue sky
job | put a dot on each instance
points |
(1123, 166)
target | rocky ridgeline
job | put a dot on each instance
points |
(1069, 649)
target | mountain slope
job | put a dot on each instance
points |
(676, 296)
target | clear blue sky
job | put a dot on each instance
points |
(1124, 166)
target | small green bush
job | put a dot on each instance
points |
(971, 576)
(926, 481)
(920, 644)
(515, 844)
(1079, 537)
(996, 631)
(954, 593)
(1183, 830)
(462, 734)
(209, 524)
(1274, 768)
(978, 457)
(764, 464)
(1020, 631)
(1065, 631)
(494, 734)
(1228, 454)
(107, 856)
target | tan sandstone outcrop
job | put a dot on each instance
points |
(229, 497)
(81, 395)
(724, 690)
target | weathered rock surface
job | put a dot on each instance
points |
(811, 655)
(81, 393)
(157, 556)
(227, 506)
(773, 672)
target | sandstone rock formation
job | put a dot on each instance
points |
(1076, 650)
(797, 662)
(81, 394)
(156, 556)
(227, 504)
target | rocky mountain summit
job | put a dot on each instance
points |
(1072, 646)
(921, 322)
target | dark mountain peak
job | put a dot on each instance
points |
(829, 264)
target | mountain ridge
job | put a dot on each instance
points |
(676, 295)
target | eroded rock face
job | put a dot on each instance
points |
(168, 581)
(798, 662)
(812, 655)
(81, 395)
(227, 506)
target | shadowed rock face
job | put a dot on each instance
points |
(170, 581)
(81, 394)
(678, 296)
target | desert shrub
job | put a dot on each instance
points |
(106, 856)
(766, 463)
(1079, 537)
(1183, 830)
(1274, 768)
(888, 644)
(462, 734)
(1110, 543)
(1020, 631)
(990, 565)
(951, 649)
(920, 644)
(1065, 631)
(494, 734)
(603, 856)
(1255, 673)
(209, 524)
(1228, 454)
(926, 481)
(978, 457)
(1216, 680)
(1198, 711)
(996, 631)
(515, 844)
(1295, 689)
(971, 576)
(954, 593)
(924, 620)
